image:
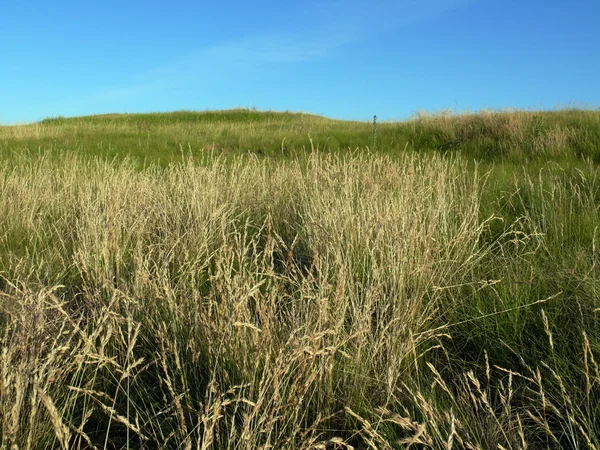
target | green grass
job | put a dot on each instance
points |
(510, 136)
(245, 279)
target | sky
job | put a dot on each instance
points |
(346, 59)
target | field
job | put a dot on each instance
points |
(260, 280)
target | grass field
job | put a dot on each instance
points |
(258, 280)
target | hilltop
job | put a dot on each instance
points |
(237, 115)
(485, 136)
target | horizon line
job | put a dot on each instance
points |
(453, 112)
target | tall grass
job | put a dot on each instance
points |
(221, 306)
(323, 301)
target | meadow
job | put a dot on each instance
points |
(261, 280)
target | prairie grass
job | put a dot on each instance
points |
(564, 136)
(309, 298)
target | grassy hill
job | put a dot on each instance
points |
(487, 136)
(253, 280)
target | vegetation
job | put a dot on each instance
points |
(247, 280)
(516, 136)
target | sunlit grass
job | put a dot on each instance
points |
(505, 136)
(300, 295)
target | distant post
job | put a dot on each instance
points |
(374, 132)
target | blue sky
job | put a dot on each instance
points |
(346, 59)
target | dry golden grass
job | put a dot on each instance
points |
(221, 306)
(256, 304)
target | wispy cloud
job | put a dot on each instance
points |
(333, 24)
(328, 26)
(212, 62)
(368, 17)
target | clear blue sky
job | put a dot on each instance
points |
(341, 58)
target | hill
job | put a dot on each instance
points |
(255, 280)
(485, 136)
